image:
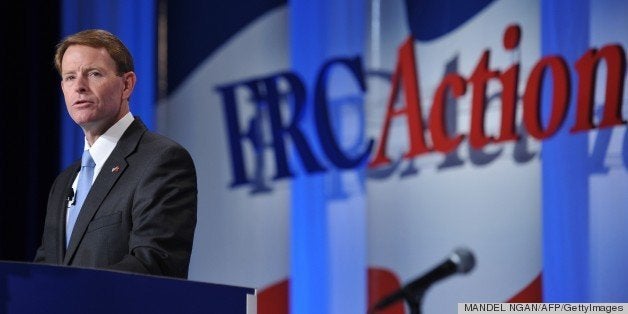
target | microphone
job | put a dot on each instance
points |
(70, 196)
(461, 261)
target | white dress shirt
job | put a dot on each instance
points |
(102, 148)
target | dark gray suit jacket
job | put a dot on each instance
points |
(139, 215)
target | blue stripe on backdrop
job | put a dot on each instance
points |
(565, 32)
(135, 23)
(309, 262)
(428, 19)
(328, 251)
(215, 22)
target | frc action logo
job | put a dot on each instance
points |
(277, 103)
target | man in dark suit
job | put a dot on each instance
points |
(130, 205)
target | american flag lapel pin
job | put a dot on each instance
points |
(115, 169)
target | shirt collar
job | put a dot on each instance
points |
(104, 145)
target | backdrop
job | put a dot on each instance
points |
(346, 147)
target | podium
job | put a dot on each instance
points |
(37, 288)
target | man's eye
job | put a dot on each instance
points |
(68, 78)
(94, 74)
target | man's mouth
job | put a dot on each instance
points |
(81, 103)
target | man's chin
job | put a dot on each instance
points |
(88, 125)
(85, 123)
(94, 127)
(83, 118)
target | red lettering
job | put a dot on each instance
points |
(510, 81)
(539, 127)
(512, 36)
(479, 79)
(406, 74)
(586, 67)
(560, 100)
(441, 140)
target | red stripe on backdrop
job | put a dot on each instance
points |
(274, 299)
(532, 293)
(383, 282)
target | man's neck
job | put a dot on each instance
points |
(92, 133)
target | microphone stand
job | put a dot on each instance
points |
(462, 261)
(414, 300)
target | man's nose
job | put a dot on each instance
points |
(80, 85)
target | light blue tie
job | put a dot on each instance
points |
(82, 189)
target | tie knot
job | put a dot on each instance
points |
(86, 160)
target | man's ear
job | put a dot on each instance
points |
(129, 84)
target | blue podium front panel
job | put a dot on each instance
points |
(35, 288)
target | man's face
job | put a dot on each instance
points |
(95, 96)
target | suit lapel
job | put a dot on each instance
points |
(113, 168)
(62, 203)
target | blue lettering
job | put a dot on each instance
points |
(330, 145)
(265, 94)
